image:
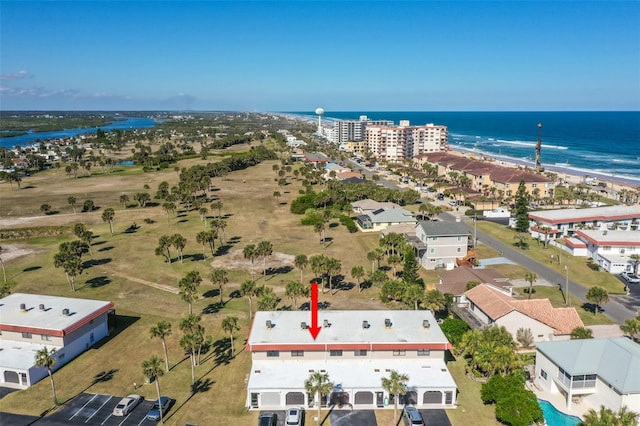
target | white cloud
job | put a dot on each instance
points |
(15, 76)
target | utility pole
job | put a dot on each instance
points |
(539, 167)
(566, 285)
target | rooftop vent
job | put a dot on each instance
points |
(269, 324)
(303, 325)
(65, 312)
(23, 307)
(426, 324)
(41, 306)
(387, 323)
(326, 323)
(365, 324)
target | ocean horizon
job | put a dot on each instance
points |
(606, 143)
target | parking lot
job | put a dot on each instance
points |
(95, 409)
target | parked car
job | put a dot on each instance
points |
(294, 417)
(161, 405)
(127, 404)
(268, 419)
(440, 196)
(630, 277)
(411, 416)
(453, 203)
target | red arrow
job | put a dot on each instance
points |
(314, 329)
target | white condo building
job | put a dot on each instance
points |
(405, 141)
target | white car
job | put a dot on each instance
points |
(294, 417)
(127, 404)
(630, 277)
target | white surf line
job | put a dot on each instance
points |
(96, 412)
(82, 408)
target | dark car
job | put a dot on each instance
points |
(159, 405)
(268, 419)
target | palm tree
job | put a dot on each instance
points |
(530, 277)
(45, 358)
(188, 286)
(164, 247)
(317, 264)
(250, 252)
(635, 259)
(294, 290)
(230, 324)
(394, 260)
(319, 385)
(301, 262)
(631, 327)
(4, 272)
(395, 385)
(277, 195)
(268, 299)
(72, 202)
(333, 268)
(152, 368)
(217, 205)
(318, 228)
(124, 199)
(219, 277)
(264, 250)
(179, 242)
(250, 290)
(107, 216)
(357, 272)
(162, 330)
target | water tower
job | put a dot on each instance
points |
(319, 112)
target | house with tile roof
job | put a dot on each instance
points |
(356, 349)
(592, 371)
(492, 306)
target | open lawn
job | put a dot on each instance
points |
(124, 269)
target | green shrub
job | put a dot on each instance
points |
(453, 329)
(349, 223)
(303, 203)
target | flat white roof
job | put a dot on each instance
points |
(358, 374)
(51, 318)
(616, 237)
(19, 355)
(594, 213)
(346, 327)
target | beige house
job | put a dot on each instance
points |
(438, 244)
(380, 219)
(356, 349)
(493, 307)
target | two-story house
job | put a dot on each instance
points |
(30, 322)
(438, 244)
(598, 371)
(611, 250)
(356, 349)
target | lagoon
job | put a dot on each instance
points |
(127, 124)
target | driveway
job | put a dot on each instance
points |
(435, 417)
(353, 418)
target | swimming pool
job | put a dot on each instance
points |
(555, 417)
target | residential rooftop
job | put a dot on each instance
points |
(443, 229)
(42, 312)
(609, 213)
(346, 327)
(615, 360)
(613, 238)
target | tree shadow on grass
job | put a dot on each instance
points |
(95, 262)
(215, 292)
(199, 386)
(101, 377)
(107, 248)
(222, 250)
(98, 282)
(212, 308)
(31, 268)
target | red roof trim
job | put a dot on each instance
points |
(32, 330)
(607, 243)
(574, 244)
(584, 219)
(87, 319)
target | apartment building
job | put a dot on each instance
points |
(397, 143)
(611, 249)
(30, 322)
(344, 131)
(356, 349)
(565, 222)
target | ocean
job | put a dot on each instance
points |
(604, 143)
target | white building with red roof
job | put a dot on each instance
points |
(356, 349)
(30, 322)
(566, 222)
(611, 250)
(493, 307)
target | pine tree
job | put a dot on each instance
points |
(522, 208)
(410, 271)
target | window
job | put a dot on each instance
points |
(360, 352)
(26, 335)
(399, 353)
(45, 337)
(433, 250)
(543, 374)
(335, 352)
(297, 353)
(273, 354)
(424, 352)
(459, 249)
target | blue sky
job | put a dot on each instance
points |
(299, 55)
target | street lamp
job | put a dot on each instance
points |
(566, 285)
(475, 230)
